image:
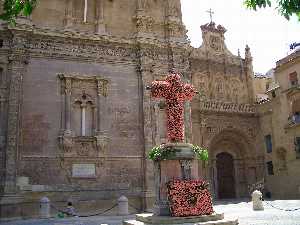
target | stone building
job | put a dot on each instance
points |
(280, 119)
(225, 120)
(77, 121)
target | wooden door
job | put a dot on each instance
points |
(225, 176)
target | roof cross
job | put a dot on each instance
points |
(210, 14)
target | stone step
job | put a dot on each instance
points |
(153, 219)
(218, 222)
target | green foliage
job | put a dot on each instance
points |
(286, 8)
(158, 153)
(14, 8)
(201, 153)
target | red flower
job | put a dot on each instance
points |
(176, 93)
(189, 198)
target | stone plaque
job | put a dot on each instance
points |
(84, 170)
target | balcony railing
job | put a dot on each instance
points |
(227, 107)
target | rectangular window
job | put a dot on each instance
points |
(297, 144)
(270, 168)
(293, 78)
(268, 141)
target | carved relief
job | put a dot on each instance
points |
(215, 43)
(174, 8)
(76, 48)
(144, 24)
(143, 4)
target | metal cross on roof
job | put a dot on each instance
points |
(210, 14)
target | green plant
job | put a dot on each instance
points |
(201, 153)
(286, 8)
(160, 153)
(14, 8)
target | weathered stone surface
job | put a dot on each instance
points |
(55, 64)
(215, 219)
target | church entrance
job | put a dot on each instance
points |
(225, 176)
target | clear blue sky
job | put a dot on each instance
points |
(266, 32)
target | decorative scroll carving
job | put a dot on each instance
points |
(144, 24)
(102, 87)
(227, 107)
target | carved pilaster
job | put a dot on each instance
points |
(100, 25)
(101, 92)
(16, 71)
(2, 121)
(69, 20)
(145, 78)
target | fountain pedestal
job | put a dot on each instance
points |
(180, 165)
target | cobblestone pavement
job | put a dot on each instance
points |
(232, 209)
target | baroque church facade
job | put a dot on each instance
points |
(77, 121)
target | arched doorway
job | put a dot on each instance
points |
(225, 176)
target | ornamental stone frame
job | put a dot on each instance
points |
(85, 90)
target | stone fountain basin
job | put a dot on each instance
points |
(183, 151)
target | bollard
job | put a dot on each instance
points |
(123, 206)
(44, 208)
(257, 200)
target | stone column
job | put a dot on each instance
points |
(69, 16)
(2, 124)
(101, 92)
(100, 26)
(68, 90)
(63, 105)
(85, 11)
(83, 109)
(146, 114)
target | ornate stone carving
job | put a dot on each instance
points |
(102, 87)
(85, 91)
(144, 23)
(67, 143)
(143, 4)
(174, 8)
(54, 47)
(102, 143)
(218, 106)
(186, 169)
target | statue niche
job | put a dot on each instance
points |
(85, 15)
(81, 132)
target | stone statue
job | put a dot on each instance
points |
(176, 93)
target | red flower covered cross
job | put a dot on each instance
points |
(176, 93)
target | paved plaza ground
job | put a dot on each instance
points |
(232, 209)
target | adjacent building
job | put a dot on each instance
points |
(279, 121)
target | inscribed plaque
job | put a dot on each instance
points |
(84, 170)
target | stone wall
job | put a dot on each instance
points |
(277, 119)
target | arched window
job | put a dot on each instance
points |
(83, 115)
